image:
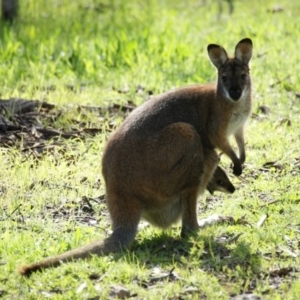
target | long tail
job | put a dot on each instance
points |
(120, 239)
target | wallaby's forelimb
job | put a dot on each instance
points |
(239, 137)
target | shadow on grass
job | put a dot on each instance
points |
(203, 252)
(210, 253)
(231, 262)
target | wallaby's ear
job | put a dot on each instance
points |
(217, 55)
(243, 50)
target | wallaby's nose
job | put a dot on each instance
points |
(235, 93)
(231, 189)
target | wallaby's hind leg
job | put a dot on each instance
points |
(189, 197)
(189, 211)
(125, 211)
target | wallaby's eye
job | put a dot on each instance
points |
(220, 182)
(224, 78)
(243, 76)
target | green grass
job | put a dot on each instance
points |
(98, 48)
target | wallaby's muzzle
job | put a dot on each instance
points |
(235, 93)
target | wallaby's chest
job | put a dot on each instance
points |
(238, 119)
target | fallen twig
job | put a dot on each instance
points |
(269, 203)
(262, 220)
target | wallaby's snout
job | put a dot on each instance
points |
(231, 189)
(235, 93)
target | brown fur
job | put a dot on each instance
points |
(163, 155)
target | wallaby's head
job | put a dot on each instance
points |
(220, 182)
(233, 73)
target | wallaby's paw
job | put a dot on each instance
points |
(237, 169)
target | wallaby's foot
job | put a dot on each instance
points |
(186, 231)
(214, 219)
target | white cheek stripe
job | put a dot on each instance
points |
(227, 94)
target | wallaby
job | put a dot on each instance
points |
(163, 155)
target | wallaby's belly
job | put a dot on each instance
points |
(164, 217)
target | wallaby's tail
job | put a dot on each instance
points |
(119, 240)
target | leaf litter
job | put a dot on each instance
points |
(22, 124)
